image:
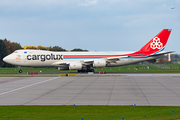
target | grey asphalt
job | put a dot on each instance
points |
(150, 90)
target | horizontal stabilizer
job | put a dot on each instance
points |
(160, 54)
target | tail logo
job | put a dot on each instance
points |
(156, 43)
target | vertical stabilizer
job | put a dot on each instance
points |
(156, 44)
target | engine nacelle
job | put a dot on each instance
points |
(63, 68)
(99, 63)
(75, 66)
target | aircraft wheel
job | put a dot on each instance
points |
(20, 71)
(79, 71)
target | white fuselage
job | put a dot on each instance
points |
(42, 58)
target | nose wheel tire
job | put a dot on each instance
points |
(20, 71)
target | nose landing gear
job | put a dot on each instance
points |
(20, 71)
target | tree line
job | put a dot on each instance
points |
(7, 47)
(55, 48)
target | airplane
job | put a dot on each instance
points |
(87, 61)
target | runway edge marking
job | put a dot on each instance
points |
(28, 86)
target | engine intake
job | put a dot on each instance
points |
(75, 66)
(99, 63)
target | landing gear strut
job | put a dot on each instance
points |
(83, 71)
(86, 69)
(20, 71)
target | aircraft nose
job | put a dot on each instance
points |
(7, 59)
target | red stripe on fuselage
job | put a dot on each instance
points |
(92, 55)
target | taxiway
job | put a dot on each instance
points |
(150, 90)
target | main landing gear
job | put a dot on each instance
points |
(84, 71)
(20, 71)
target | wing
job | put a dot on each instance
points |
(91, 61)
(114, 59)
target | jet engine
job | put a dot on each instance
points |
(99, 63)
(75, 66)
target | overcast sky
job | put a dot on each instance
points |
(101, 25)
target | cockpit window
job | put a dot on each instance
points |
(15, 52)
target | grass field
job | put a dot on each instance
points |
(88, 112)
(91, 112)
(127, 68)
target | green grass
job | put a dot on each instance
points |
(26, 69)
(131, 68)
(172, 66)
(127, 68)
(88, 112)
